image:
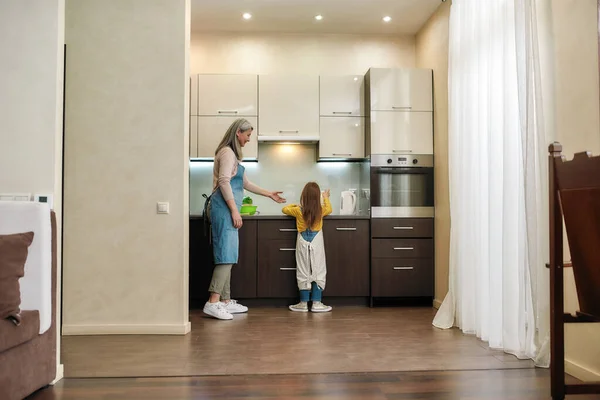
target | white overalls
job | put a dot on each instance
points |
(310, 262)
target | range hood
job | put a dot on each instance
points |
(287, 139)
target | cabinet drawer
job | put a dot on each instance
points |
(278, 229)
(402, 278)
(402, 227)
(346, 225)
(402, 248)
(277, 268)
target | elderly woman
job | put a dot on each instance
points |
(229, 182)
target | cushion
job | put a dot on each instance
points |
(13, 255)
(12, 335)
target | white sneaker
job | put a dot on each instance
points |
(317, 306)
(233, 307)
(216, 310)
(300, 307)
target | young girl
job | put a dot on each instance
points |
(310, 251)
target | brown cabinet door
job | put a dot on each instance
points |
(277, 272)
(201, 263)
(347, 256)
(402, 277)
(402, 227)
(243, 274)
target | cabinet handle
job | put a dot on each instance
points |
(284, 249)
(287, 230)
(227, 111)
(404, 248)
(343, 112)
(287, 269)
(403, 268)
(342, 154)
(345, 229)
(402, 108)
(402, 151)
(289, 131)
(400, 228)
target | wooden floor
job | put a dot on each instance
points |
(277, 341)
(528, 384)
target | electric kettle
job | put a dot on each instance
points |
(347, 203)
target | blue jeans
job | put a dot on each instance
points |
(317, 293)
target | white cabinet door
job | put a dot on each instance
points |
(194, 95)
(212, 129)
(228, 95)
(193, 136)
(342, 95)
(401, 132)
(401, 89)
(342, 137)
(289, 105)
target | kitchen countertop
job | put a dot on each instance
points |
(283, 217)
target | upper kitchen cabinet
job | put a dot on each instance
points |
(289, 105)
(392, 89)
(227, 95)
(401, 132)
(210, 131)
(342, 137)
(194, 95)
(342, 96)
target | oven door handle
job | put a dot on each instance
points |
(403, 170)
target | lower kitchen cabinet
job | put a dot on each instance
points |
(277, 259)
(347, 254)
(277, 273)
(266, 266)
(402, 277)
(243, 275)
(402, 257)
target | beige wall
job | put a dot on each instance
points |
(575, 33)
(432, 52)
(31, 92)
(126, 147)
(256, 53)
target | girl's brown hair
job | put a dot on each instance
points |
(310, 200)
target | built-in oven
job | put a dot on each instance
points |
(402, 186)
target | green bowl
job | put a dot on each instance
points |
(248, 209)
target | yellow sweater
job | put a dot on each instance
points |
(294, 210)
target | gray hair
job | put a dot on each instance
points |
(230, 138)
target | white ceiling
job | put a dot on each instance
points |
(339, 16)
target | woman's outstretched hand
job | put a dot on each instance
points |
(275, 196)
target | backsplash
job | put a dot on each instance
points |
(287, 168)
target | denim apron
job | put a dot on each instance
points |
(224, 235)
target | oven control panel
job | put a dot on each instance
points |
(403, 160)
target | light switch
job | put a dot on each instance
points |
(162, 207)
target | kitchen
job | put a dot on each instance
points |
(330, 117)
(372, 132)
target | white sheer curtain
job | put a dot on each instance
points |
(497, 167)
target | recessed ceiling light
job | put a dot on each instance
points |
(247, 15)
(318, 17)
(355, 78)
(387, 18)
